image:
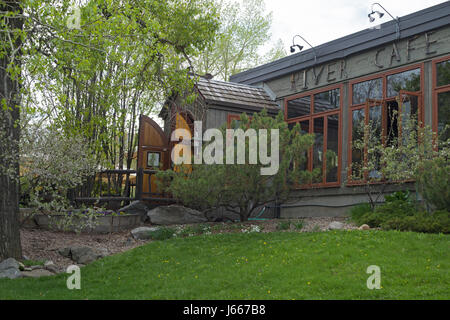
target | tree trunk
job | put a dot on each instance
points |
(9, 138)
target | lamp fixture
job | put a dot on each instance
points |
(381, 14)
(301, 47)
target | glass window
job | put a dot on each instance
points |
(375, 137)
(153, 159)
(443, 73)
(371, 89)
(327, 100)
(299, 107)
(357, 143)
(318, 149)
(444, 116)
(332, 148)
(408, 81)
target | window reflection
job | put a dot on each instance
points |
(318, 149)
(371, 89)
(299, 107)
(443, 73)
(357, 148)
(332, 148)
(408, 81)
(327, 100)
(444, 116)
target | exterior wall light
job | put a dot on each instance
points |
(380, 14)
(301, 47)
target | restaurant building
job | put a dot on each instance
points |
(330, 89)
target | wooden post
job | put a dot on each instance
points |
(139, 183)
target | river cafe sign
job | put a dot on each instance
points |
(382, 57)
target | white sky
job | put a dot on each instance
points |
(320, 21)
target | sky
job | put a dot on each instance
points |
(320, 21)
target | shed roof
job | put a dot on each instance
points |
(235, 95)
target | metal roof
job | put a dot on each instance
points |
(412, 24)
(235, 95)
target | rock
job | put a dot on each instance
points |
(48, 263)
(136, 207)
(335, 225)
(364, 227)
(52, 268)
(142, 233)
(85, 255)
(36, 267)
(37, 273)
(9, 268)
(10, 273)
(175, 214)
(65, 252)
(9, 263)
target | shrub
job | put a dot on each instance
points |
(434, 183)
(283, 225)
(400, 212)
(299, 224)
(358, 211)
(420, 222)
(162, 233)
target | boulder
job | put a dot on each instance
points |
(37, 273)
(364, 227)
(9, 268)
(336, 225)
(65, 252)
(82, 255)
(136, 207)
(175, 214)
(143, 233)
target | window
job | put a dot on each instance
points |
(153, 159)
(441, 98)
(383, 102)
(319, 112)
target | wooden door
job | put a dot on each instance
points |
(153, 153)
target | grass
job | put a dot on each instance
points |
(279, 265)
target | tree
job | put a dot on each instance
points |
(10, 70)
(408, 152)
(242, 188)
(244, 30)
(41, 51)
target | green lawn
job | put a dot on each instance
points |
(280, 265)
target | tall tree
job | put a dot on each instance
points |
(11, 24)
(244, 31)
(92, 70)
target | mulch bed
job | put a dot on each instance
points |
(43, 245)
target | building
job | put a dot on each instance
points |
(332, 88)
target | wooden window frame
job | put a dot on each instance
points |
(310, 117)
(384, 99)
(436, 90)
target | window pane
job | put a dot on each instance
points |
(443, 73)
(374, 139)
(408, 81)
(371, 89)
(153, 159)
(327, 100)
(409, 120)
(444, 115)
(318, 150)
(357, 143)
(299, 107)
(332, 148)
